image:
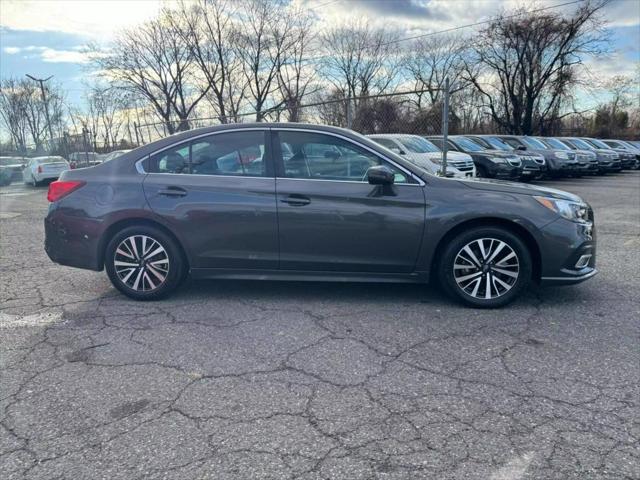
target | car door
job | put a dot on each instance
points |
(217, 192)
(331, 219)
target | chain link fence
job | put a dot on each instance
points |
(403, 112)
(407, 112)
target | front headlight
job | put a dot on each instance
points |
(562, 155)
(498, 159)
(575, 211)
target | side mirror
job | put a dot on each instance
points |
(521, 147)
(380, 175)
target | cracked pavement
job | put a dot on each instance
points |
(239, 380)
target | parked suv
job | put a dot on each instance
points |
(627, 147)
(426, 155)
(584, 157)
(489, 163)
(559, 162)
(608, 160)
(627, 159)
(534, 165)
(306, 202)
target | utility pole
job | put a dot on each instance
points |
(445, 126)
(46, 102)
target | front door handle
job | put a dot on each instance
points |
(296, 200)
(173, 192)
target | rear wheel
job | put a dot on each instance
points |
(485, 267)
(144, 263)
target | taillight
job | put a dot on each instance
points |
(61, 188)
(39, 168)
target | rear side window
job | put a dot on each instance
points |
(234, 153)
(225, 154)
(172, 160)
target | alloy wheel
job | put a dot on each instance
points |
(486, 268)
(141, 263)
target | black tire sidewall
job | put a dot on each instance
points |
(445, 270)
(176, 263)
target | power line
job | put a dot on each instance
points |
(324, 4)
(481, 23)
(460, 27)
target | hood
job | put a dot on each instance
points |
(495, 153)
(458, 156)
(451, 155)
(493, 185)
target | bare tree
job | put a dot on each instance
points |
(430, 60)
(23, 112)
(361, 59)
(13, 103)
(153, 61)
(107, 111)
(295, 74)
(263, 41)
(208, 29)
(525, 64)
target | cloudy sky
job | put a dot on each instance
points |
(46, 37)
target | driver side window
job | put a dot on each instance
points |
(317, 156)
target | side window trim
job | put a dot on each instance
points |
(146, 160)
(279, 161)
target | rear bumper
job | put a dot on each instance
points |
(65, 245)
(46, 176)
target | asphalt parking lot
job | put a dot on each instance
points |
(244, 380)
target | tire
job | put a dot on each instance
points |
(464, 289)
(143, 285)
(481, 172)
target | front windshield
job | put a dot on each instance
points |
(581, 144)
(498, 144)
(557, 144)
(418, 145)
(468, 145)
(599, 143)
(533, 143)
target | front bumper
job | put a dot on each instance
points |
(505, 170)
(568, 252)
(628, 162)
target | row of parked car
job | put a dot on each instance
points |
(510, 157)
(37, 170)
(514, 157)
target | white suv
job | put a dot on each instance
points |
(426, 155)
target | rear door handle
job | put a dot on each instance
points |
(296, 200)
(173, 192)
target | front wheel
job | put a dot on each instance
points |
(485, 267)
(144, 263)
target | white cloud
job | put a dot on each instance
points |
(63, 56)
(51, 55)
(98, 19)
